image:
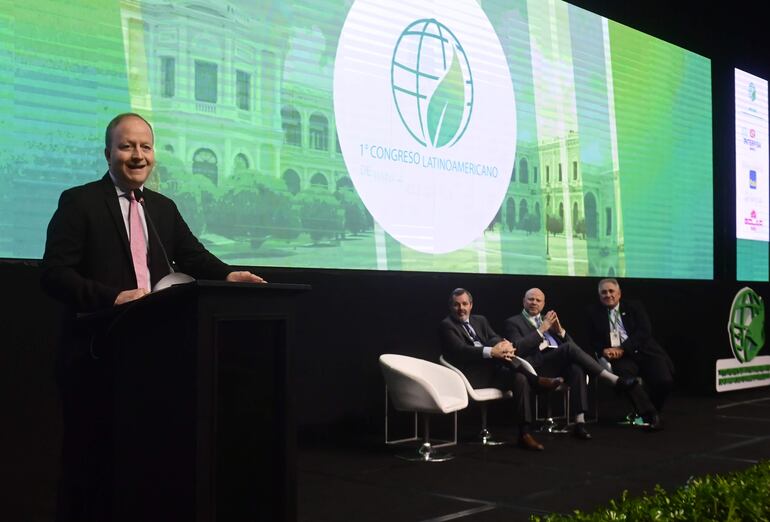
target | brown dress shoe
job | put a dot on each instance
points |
(527, 441)
(545, 384)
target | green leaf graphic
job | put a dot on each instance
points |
(445, 110)
(756, 334)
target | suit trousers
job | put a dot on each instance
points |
(506, 377)
(569, 361)
(654, 371)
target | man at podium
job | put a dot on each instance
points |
(92, 259)
(110, 242)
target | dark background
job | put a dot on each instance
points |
(351, 317)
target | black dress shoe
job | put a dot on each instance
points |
(653, 422)
(580, 432)
(545, 384)
(633, 389)
(625, 384)
(528, 442)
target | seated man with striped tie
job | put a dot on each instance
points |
(487, 360)
(543, 341)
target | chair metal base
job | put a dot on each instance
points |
(437, 443)
(547, 423)
(426, 453)
(485, 439)
(549, 426)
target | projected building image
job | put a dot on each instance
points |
(562, 142)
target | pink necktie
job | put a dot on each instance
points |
(138, 244)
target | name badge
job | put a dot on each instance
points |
(614, 338)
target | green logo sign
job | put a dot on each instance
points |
(752, 92)
(747, 325)
(432, 83)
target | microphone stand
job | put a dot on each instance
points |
(173, 277)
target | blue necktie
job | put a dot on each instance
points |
(471, 331)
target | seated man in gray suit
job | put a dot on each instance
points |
(487, 360)
(543, 341)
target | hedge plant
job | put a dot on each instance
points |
(734, 497)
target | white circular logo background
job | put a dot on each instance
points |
(426, 118)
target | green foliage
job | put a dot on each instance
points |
(286, 222)
(195, 195)
(735, 497)
(320, 214)
(169, 169)
(580, 228)
(255, 206)
(531, 223)
(554, 224)
(357, 218)
(510, 220)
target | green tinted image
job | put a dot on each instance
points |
(752, 260)
(613, 166)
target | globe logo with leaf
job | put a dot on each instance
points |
(432, 83)
(747, 325)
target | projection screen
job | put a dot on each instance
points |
(501, 137)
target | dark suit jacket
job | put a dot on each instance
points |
(640, 342)
(87, 263)
(87, 260)
(527, 339)
(457, 348)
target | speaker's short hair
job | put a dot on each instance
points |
(116, 120)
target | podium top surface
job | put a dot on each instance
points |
(205, 283)
(200, 286)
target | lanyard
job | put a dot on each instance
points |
(614, 319)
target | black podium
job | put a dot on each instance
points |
(202, 414)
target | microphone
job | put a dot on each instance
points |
(140, 198)
(173, 277)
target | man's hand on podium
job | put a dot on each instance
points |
(127, 296)
(244, 277)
